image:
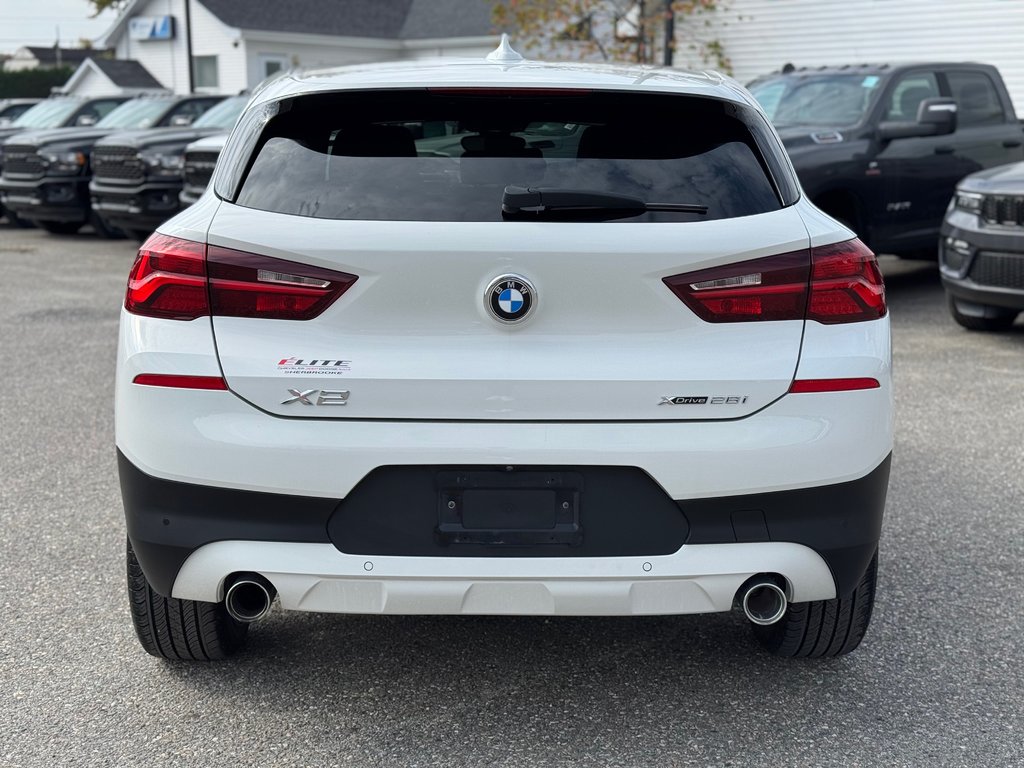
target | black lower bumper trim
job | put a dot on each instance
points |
(403, 510)
(841, 522)
(168, 520)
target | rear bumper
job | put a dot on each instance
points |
(47, 199)
(141, 207)
(190, 538)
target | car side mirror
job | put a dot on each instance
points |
(86, 120)
(180, 121)
(938, 113)
(935, 117)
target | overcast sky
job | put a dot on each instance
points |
(35, 22)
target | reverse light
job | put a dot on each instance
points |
(180, 279)
(838, 283)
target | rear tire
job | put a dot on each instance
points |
(61, 227)
(187, 630)
(988, 319)
(823, 628)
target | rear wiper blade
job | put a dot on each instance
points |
(575, 204)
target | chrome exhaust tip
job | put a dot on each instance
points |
(249, 598)
(764, 602)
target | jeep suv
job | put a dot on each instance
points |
(593, 355)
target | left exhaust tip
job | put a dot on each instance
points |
(248, 598)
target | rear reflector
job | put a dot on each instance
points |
(832, 385)
(180, 382)
(181, 280)
(838, 283)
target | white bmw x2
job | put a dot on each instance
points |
(503, 337)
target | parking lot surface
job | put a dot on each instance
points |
(937, 681)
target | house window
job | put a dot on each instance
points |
(204, 72)
(271, 63)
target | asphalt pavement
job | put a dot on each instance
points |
(937, 682)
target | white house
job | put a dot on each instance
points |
(110, 77)
(237, 43)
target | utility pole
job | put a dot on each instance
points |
(188, 46)
(670, 33)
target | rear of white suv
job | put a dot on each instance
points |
(503, 338)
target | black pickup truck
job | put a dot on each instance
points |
(46, 174)
(137, 175)
(882, 147)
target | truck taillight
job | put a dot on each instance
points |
(182, 280)
(838, 283)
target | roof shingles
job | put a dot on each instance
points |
(386, 19)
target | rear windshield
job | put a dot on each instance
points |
(449, 155)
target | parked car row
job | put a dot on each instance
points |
(120, 173)
(898, 152)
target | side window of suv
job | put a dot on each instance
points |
(910, 91)
(976, 98)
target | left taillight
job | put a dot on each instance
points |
(168, 279)
(182, 280)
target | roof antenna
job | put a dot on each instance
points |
(504, 53)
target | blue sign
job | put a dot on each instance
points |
(151, 28)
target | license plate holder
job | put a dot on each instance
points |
(509, 508)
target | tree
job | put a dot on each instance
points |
(643, 31)
(99, 6)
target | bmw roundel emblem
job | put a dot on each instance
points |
(510, 298)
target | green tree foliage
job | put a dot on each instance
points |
(32, 83)
(98, 6)
(616, 30)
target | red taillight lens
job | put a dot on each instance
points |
(180, 382)
(182, 280)
(846, 284)
(773, 288)
(168, 279)
(248, 285)
(838, 283)
(832, 385)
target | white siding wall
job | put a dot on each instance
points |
(210, 37)
(95, 84)
(416, 49)
(762, 35)
(167, 60)
(312, 52)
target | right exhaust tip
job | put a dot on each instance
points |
(249, 598)
(764, 602)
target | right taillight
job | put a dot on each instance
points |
(838, 283)
(181, 280)
(846, 284)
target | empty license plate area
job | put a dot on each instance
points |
(510, 508)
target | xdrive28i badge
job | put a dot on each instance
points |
(510, 298)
